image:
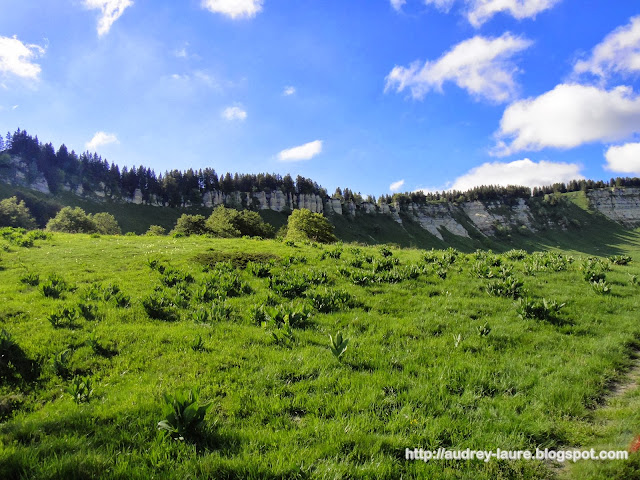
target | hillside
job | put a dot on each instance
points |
(440, 355)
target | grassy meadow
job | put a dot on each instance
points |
(445, 349)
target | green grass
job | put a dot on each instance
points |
(417, 372)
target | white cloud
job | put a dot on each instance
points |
(101, 138)
(397, 4)
(618, 52)
(482, 10)
(395, 186)
(479, 65)
(443, 5)
(234, 113)
(568, 116)
(16, 58)
(519, 172)
(624, 158)
(234, 8)
(110, 10)
(303, 152)
(289, 90)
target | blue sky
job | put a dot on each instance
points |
(374, 95)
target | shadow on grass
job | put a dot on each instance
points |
(15, 366)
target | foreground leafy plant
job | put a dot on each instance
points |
(338, 345)
(60, 364)
(80, 389)
(601, 287)
(183, 415)
(539, 310)
(66, 317)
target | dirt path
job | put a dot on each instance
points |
(630, 381)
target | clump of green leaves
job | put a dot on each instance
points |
(198, 345)
(620, 259)
(160, 307)
(331, 300)
(80, 389)
(338, 345)
(65, 317)
(484, 330)
(601, 287)
(54, 286)
(183, 414)
(259, 270)
(290, 286)
(548, 310)
(30, 278)
(509, 287)
(60, 364)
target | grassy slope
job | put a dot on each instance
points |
(297, 412)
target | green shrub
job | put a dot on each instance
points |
(106, 224)
(72, 220)
(183, 415)
(229, 223)
(14, 213)
(190, 225)
(304, 225)
(156, 230)
(385, 251)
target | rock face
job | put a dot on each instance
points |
(435, 217)
(618, 204)
(17, 172)
(621, 205)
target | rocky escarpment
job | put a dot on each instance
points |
(621, 205)
(464, 219)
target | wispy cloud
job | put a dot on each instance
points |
(16, 58)
(302, 152)
(110, 10)
(100, 139)
(289, 90)
(480, 11)
(234, 113)
(396, 186)
(235, 9)
(619, 52)
(568, 116)
(397, 4)
(479, 65)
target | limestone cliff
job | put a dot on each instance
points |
(465, 219)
